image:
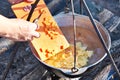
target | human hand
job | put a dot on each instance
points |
(23, 30)
(25, 8)
(17, 29)
(18, 1)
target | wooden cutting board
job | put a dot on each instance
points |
(52, 40)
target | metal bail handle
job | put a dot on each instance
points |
(32, 10)
(74, 69)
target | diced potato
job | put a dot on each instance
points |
(65, 59)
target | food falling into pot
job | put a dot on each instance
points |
(65, 59)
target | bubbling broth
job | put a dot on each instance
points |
(65, 59)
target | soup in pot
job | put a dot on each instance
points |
(65, 59)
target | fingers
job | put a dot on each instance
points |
(28, 30)
(29, 37)
(18, 1)
(33, 29)
(29, 0)
(35, 34)
(27, 8)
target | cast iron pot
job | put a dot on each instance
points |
(85, 34)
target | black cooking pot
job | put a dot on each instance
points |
(86, 35)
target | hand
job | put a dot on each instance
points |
(23, 30)
(18, 1)
(26, 8)
(17, 29)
